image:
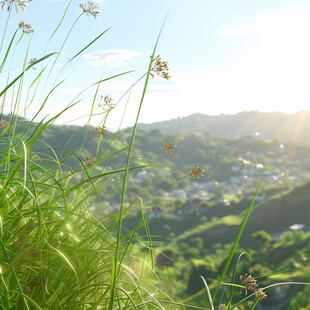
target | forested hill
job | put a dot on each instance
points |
(276, 125)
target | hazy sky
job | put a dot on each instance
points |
(225, 56)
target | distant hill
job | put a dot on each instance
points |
(274, 216)
(276, 125)
(280, 213)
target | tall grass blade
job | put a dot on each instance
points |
(208, 292)
(8, 51)
(120, 219)
(88, 45)
(236, 242)
(61, 20)
(233, 277)
(9, 85)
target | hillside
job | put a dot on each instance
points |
(274, 215)
(276, 125)
(199, 247)
(193, 221)
(233, 165)
(278, 214)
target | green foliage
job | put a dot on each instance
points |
(263, 238)
(205, 268)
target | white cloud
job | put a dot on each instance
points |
(289, 21)
(110, 57)
(242, 30)
(162, 87)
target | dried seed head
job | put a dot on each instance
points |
(90, 8)
(90, 160)
(17, 3)
(25, 28)
(106, 103)
(196, 171)
(31, 61)
(249, 283)
(35, 158)
(4, 124)
(101, 131)
(169, 147)
(161, 68)
(260, 294)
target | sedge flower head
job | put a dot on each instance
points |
(222, 307)
(32, 61)
(90, 160)
(7, 4)
(160, 68)
(106, 102)
(260, 294)
(196, 171)
(4, 124)
(35, 158)
(101, 131)
(90, 8)
(25, 28)
(249, 283)
(169, 147)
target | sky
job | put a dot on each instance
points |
(224, 57)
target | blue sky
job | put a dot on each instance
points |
(224, 56)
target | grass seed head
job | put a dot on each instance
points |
(32, 61)
(196, 171)
(35, 158)
(160, 68)
(7, 4)
(4, 124)
(249, 283)
(25, 28)
(90, 8)
(106, 102)
(90, 160)
(101, 131)
(169, 147)
(260, 294)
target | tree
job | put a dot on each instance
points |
(263, 238)
(205, 268)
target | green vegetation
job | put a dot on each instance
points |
(135, 226)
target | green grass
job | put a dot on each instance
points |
(62, 246)
(57, 250)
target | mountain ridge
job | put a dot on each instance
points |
(271, 125)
